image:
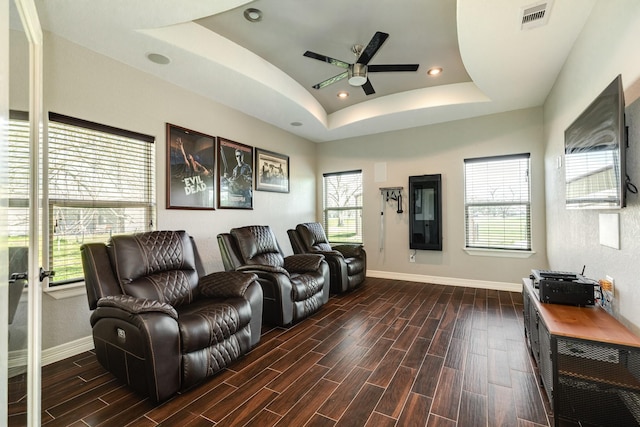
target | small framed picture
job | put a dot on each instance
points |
(235, 175)
(272, 171)
(190, 169)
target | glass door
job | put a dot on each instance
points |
(19, 212)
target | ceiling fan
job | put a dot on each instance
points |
(357, 72)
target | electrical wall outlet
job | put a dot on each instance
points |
(613, 282)
(412, 257)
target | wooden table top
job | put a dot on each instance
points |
(588, 323)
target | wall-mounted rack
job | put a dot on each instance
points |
(391, 192)
(388, 193)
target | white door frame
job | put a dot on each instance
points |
(33, 31)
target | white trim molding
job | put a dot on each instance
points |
(66, 291)
(504, 253)
(18, 358)
(448, 281)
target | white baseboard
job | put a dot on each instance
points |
(18, 358)
(449, 281)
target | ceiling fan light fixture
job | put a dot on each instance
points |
(357, 74)
(253, 15)
(434, 71)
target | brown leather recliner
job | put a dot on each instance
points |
(160, 325)
(294, 286)
(347, 262)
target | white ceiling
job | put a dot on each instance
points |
(334, 26)
(490, 64)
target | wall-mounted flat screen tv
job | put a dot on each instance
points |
(595, 145)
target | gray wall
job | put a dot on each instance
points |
(440, 149)
(84, 84)
(607, 47)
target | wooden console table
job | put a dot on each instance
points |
(588, 362)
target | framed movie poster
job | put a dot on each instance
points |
(272, 171)
(190, 169)
(235, 175)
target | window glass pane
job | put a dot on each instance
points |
(100, 183)
(497, 203)
(73, 226)
(343, 207)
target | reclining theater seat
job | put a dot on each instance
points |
(347, 262)
(294, 287)
(157, 325)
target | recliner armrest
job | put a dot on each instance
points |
(303, 263)
(258, 268)
(333, 253)
(223, 284)
(135, 305)
(349, 251)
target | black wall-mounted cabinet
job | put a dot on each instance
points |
(425, 212)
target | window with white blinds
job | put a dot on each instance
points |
(343, 206)
(100, 181)
(498, 202)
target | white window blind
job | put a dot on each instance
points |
(343, 206)
(497, 202)
(18, 191)
(101, 182)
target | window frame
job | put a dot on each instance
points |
(493, 249)
(144, 210)
(357, 206)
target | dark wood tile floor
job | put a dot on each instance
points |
(391, 353)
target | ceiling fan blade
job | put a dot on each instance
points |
(368, 88)
(326, 59)
(331, 80)
(392, 67)
(373, 46)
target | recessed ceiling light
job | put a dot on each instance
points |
(296, 124)
(343, 94)
(434, 71)
(253, 15)
(158, 59)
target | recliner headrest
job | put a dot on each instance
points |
(255, 240)
(143, 254)
(313, 236)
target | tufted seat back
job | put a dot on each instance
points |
(258, 245)
(160, 266)
(313, 237)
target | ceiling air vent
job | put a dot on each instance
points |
(535, 15)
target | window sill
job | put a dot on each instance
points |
(66, 291)
(504, 253)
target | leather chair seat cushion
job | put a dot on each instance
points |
(205, 323)
(304, 286)
(354, 266)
